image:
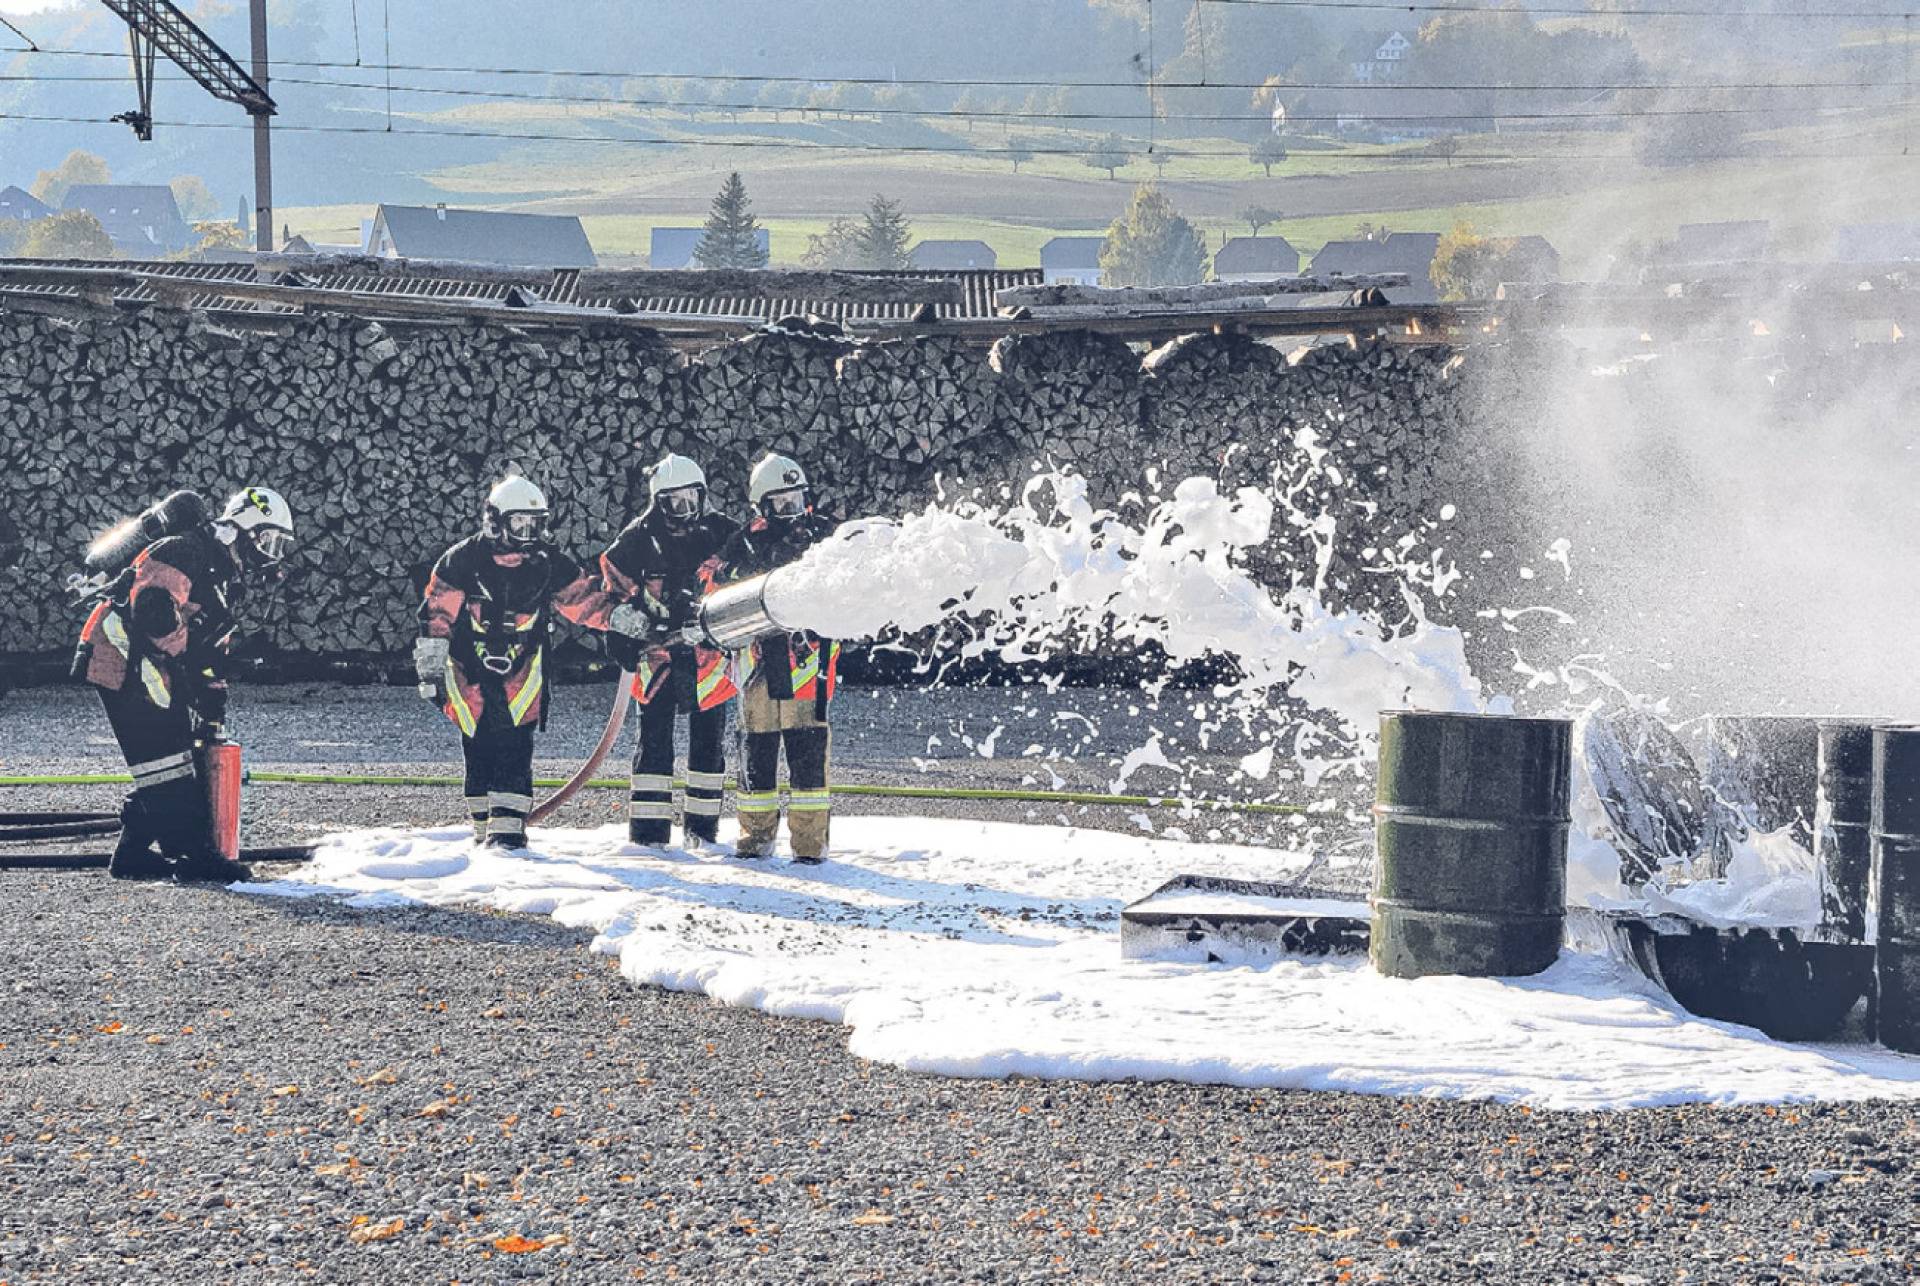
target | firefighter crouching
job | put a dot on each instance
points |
(156, 647)
(787, 680)
(659, 568)
(485, 621)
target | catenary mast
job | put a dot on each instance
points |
(157, 27)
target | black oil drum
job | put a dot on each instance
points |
(1470, 825)
(1760, 773)
(1842, 826)
(1893, 894)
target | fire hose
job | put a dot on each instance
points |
(729, 620)
(615, 721)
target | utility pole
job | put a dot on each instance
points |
(159, 27)
(262, 137)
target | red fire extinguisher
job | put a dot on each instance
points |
(223, 793)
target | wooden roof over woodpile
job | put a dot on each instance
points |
(697, 307)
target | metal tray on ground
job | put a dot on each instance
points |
(1793, 984)
(1206, 919)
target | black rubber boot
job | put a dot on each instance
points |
(183, 823)
(134, 857)
(212, 868)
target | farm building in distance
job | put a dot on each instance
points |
(1408, 252)
(18, 203)
(1074, 261)
(956, 256)
(141, 218)
(1256, 259)
(480, 236)
(674, 247)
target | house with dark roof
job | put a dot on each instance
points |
(1256, 259)
(1408, 252)
(1738, 241)
(954, 256)
(674, 247)
(1877, 243)
(480, 236)
(1074, 260)
(1532, 258)
(18, 203)
(140, 218)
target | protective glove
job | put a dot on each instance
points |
(631, 621)
(430, 667)
(210, 704)
(624, 650)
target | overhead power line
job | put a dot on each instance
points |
(949, 82)
(1134, 152)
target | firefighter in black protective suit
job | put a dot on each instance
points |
(789, 678)
(487, 613)
(156, 646)
(659, 568)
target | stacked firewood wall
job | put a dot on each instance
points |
(384, 440)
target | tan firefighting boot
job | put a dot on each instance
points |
(807, 820)
(759, 813)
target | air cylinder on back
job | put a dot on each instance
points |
(1470, 823)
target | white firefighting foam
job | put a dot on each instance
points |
(1054, 572)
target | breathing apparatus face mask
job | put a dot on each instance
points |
(525, 527)
(271, 544)
(682, 504)
(787, 504)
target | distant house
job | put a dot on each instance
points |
(480, 236)
(951, 256)
(674, 247)
(1074, 260)
(1408, 252)
(1532, 259)
(1380, 59)
(18, 203)
(1256, 259)
(140, 218)
(1742, 241)
(1871, 243)
(298, 244)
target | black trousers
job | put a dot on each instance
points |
(650, 805)
(499, 779)
(169, 805)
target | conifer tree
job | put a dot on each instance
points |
(730, 236)
(882, 241)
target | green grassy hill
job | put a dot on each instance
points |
(1585, 192)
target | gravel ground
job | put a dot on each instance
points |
(204, 1087)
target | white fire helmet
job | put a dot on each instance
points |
(517, 511)
(264, 518)
(774, 476)
(678, 486)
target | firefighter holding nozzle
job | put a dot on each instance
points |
(788, 679)
(485, 621)
(165, 589)
(658, 569)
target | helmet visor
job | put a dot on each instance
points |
(790, 503)
(524, 526)
(272, 543)
(681, 502)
